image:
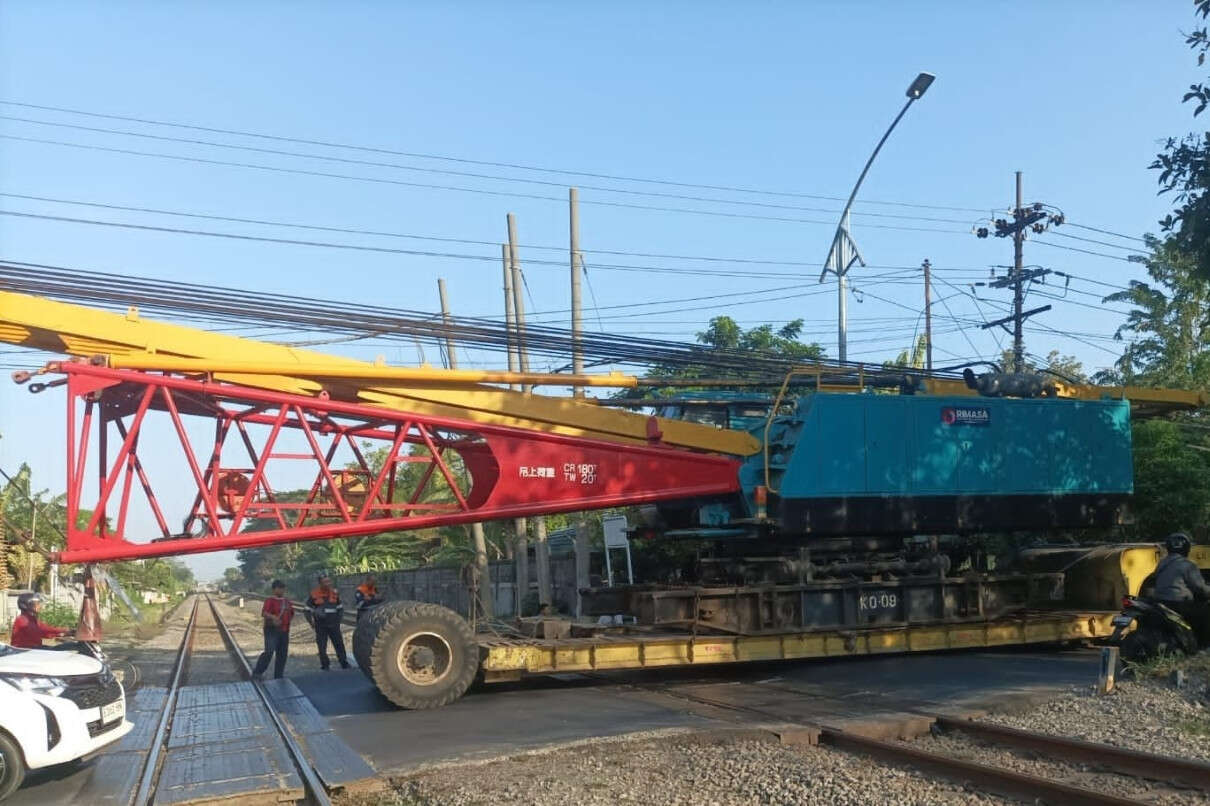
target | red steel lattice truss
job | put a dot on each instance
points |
(456, 471)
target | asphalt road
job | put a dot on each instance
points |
(496, 720)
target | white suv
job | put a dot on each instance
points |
(56, 706)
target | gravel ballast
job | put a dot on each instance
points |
(680, 770)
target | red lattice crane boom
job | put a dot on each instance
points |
(366, 469)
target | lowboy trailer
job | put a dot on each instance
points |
(840, 520)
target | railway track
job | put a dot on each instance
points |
(1034, 748)
(1070, 762)
(179, 751)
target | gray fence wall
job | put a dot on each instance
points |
(445, 586)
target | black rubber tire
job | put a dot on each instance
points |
(14, 765)
(1136, 648)
(402, 621)
(363, 634)
(128, 675)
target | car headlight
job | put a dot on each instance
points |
(36, 684)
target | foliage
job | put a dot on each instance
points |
(233, 578)
(1168, 328)
(300, 563)
(163, 574)
(59, 614)
(1063, 366)
(43, 518)
(1184, 166)
(916, 360)
(724, 333)
(1168, 325)
(1171, 480)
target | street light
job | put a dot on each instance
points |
(844, 253)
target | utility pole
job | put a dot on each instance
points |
(520, 525)
(509, 327)
(518, 295)
(1018, 297)
(450, 359)
(542, 559)
(577, 323)
(521, 562)
(1036, 217)
(843, 255)
(928, 317)
(478, 539)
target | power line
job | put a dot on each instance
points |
(1093, 240)
(378, 249)
(1107, 232)
(333, 318)
(465, 174)
(434, 238)
(466, 161)
(452, 188)
(1085, 251)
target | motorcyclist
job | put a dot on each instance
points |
(28, 630)
(1179, 584)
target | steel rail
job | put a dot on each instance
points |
(989, 778)
(996, 779)
(151, 765)
(316, 791)
(1116, 759)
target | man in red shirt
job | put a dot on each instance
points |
(28, 631)
(277, 613)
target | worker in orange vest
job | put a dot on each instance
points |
(326, 610)
(367, 595)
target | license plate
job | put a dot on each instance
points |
(112, 711)
(1122, 621)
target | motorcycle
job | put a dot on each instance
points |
(124, 671)
(1158, 630)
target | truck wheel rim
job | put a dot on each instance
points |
(424, 658)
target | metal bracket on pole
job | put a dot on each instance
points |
(843, 255)
(844, 252)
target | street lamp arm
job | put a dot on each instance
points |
(860, 179)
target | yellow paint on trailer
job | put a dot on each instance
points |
(538, 656)
(60, 327)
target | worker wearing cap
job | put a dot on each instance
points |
(326, 610)
(28, 630)
(277, 612)
(367, 595)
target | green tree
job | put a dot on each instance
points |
(724, 333)
(914, 361)
(1171, 480)
(1064, 366)
(1184, 166)
(1168, 326)
(1167, 333)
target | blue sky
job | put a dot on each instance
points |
(784, 97)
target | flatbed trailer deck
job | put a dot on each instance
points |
(506, 659)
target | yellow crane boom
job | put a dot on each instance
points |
(64, 328)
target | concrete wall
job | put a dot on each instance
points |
(445, 586)
(70, 594)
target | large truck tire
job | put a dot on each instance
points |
(420, 655)
(364, 632)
